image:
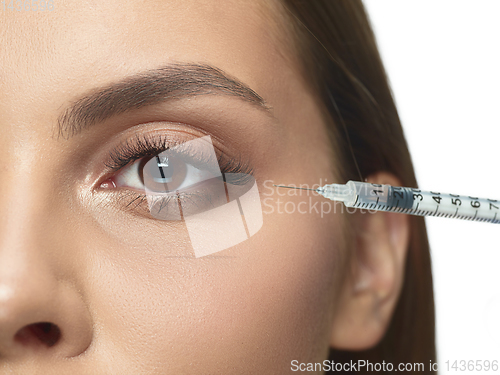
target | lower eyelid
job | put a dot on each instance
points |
(200, 198)
(137, 203)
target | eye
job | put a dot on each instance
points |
(171, 181)
(164, 173)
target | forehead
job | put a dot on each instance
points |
(53, 55)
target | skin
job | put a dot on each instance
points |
(125, 290)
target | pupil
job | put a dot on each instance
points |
(163, 173)
(164, 170)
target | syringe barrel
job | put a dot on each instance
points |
(379, 197)
(420, 202)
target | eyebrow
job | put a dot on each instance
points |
(174, 81)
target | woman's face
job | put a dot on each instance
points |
(77, 251)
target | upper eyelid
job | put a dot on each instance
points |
(140, 146)
(133, 149)
(124, 155)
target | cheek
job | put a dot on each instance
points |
(272, 294)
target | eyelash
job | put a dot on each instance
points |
(147, 145)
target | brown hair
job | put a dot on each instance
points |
(340, 61)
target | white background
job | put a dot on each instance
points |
(443, 63)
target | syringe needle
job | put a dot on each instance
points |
(293, 187)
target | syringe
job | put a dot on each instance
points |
(410, 201)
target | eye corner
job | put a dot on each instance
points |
(107, 184)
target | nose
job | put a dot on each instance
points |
(39, 316)
(42, 311)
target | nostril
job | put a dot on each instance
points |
(44, 333)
